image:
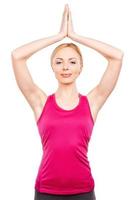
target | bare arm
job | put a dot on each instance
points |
(108, 51)
(33, 94)
(27, 50)
(98, 95)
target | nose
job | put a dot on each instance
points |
(65, 66)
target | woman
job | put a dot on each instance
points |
(66, 118)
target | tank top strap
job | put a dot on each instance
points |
(48, 100)
(86, 103)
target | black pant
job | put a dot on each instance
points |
(80, 196)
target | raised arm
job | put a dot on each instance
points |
(98, 95)
(33, 94)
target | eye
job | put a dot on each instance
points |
(58, 62)
(73, 62)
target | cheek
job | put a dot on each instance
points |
(76, 70)
(56, 69)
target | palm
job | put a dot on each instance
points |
(70, 24)
(63, 29)
(66, 25)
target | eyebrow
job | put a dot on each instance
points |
(69, 58)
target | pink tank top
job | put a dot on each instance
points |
(65, 134)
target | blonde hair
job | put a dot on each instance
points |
(64, 45)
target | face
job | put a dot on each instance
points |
(66, 65)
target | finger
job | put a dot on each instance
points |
(70, 15)
(66, 5)
(70, 24)
(65, 9)
(66, 13)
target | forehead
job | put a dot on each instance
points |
(66, 53)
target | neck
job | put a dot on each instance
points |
(67, 91)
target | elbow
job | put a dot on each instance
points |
(117, 57)
(14, 55)
(121, 55)
(18, 55)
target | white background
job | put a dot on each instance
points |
(111, 147)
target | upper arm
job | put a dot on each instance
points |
(33, 94)
(101, 92)
(109, 78)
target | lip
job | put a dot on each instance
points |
(66, 75)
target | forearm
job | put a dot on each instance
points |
(106, 50)
(27, 50)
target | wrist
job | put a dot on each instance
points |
(61, 35)
(73, 35)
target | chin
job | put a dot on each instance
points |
(66, 81)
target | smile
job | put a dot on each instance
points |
(66, 75)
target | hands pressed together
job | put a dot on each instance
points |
(66, 29)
